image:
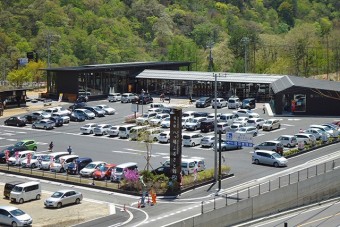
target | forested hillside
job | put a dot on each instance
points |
(297, 37)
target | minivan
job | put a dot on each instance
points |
(248, 103)
(124, 131)
(271, 145)
(119, 172)
(208, 125)
(233, 103)
(268, 158)
(188, 166)
(192, 139)
(21, 156)
(61, 165)
(227, 117)
(203, 102)
(137, 132)
(128, 97)
(25, 192)
(9, 186)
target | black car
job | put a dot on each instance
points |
(96, 110)
(57, 120)
(11, 150)
(203, 102)
(162, 170)
(81, 163)
(77, 105)
(145, 99)
(16, 121)
(82, 98)
(31, 118)
(77, 116)
(201, 114)
(207, 125)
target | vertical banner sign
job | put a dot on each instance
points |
(7, 155)
(176, 144)
(60, 97)
(29, 156)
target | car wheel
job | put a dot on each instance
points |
(255, 133)
(21, 201)
(279, 126)
(168, 141)
(34, 148)
(155, 139)
(193, 144)
(224, 149)
(77, 201)
(37, 197)
(18, 125)
(127, 137)
(33, 166)
(276, 164)
(59, 205)
(212, 145)
(288, 145)
(33, 126)
(257, 161)
(236, 115)
(270, 129)
(45, 127)
(14, 224)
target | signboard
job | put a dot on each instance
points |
(60, 97)
(176, 144)
(240, 139)
(22, 61)
(134, 107)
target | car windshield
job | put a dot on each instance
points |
(146, 115)
(231, 101)
(46, 158)
(276, 155)
(104, 106)
(114, 128)
(167, 119)
(234, 126)
(194, 121)
(19, 144)
(163, 134)
(57, 195)
(87, 111)
(17, 212)
(269, 122)
(158, 117)
(242, 129)
(91, 166)
(17, 189)
(185, 115)
(119, 170)
(97, 108)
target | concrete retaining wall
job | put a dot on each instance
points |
(309, 191)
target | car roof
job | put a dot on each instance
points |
(8, 208)
(265, 151)
(83, 158)
(65, 190)
(69, 156)
(127, 164)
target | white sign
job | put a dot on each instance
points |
(22, 61)
(134, 107)
(241, 139)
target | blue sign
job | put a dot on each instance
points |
(239, 139)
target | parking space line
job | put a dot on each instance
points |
(125, 152)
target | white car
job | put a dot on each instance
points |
(222, 127)
(189, 114)
(165, 123)
(192, 139)
(63, 197)
(34, 162)
(114, 97)
(156, 110)
(88, 170)
(208, 141)
(234, 127)
(42, 114)
(113, 131)
(316, 132)
(44, 124)
(88, 128)
(128, 97)
(164, 137)
(61, 165)
(101, 129)
(12, 216)
(245, 113)
(22, 155)
(305, 138)
(220, 103)
(62, 110)
(145, 118)
(66, 118)
(156, 121)
(249, 130)
(328, 130)
(271, 124)
(241, 120)
(108, 110)
(256, 122)
(212, 116)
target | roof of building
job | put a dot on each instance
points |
(208, 76)
(286, 82)
(120, 66)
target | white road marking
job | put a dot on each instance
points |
(12, 139)
(125, 152)
(22, 132)
(8, 134)
(288, 125)
(293, 119)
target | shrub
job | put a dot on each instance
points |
(132, 118)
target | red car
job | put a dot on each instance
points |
(104, 173)
(337, 122)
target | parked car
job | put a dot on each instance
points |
(157, 110)
(234, 127)
(245, 113)
(318, 133)
(104, 172)
(34, 162)
(271, 124)
(11, 151)
(269, 158)
(208, 141)
(145, 99)
(63, 197)
(78, 116)
(113, 130)
(211, 116)
(87, 113)
(114, 97)
(156, 121)
(88, 128)
(41, 114)
(241, 120)
(101, 129)
(15, 121)
(192, 139)
(61, 165)
(145, 118)
(108, 110)
(128, 97)
(77, 105)
(164, 137)
(27, 144)
(227, 117)
(96, 110)
(162, 170)
(256, 122)
(201, 114)
(234, 103)
(271, 145)
(44, 124)
(222, 127)
(307, 139)
(248, 103)
(77, 165)
(30, 118)
(152, 134)
(227, 146)
(58, 121)
(208, 125)
(88, 170)
(12, 216)
(189, 114)
(22, 155)
(288, 140)
(250, 130)
(49, 158)
(219, 103)
(66, 119)
(165, 123)
(62, 111)
(195, 123)
(203, 102)
(328, 130)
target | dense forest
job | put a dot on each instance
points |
(296, 37)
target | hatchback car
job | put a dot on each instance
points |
(271, 145)
(234, 127)
(44, 124)
(113, 130)
(15, 121)
(222, 127)
(104, 172)
(10, 151)
(271, 124)
(101, 129)
(250, 130)
(164, 137)
(208, 141)
(227, 146)
(114, 97)
(28, 144)
(316, 132)
(219, 103)
(192, 139)
(98, 112)
(288, 140)
(241, 120)
(65, 118)
(203, 102)
(145, 118)
(12, 216)
(195, 123)
(269, 158)
(128, 97)
(307, 139)
(88, 170)
(156, 121)
(77, 165)
(257, 122)
(234, 103)
(77, 116)
(108, 110)
(63, 197)
(165, 123)
(88, 128)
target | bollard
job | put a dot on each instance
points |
(289, 179)
(226, 199)
(307, 173)
(248, 192)
(237, 196)
(214, 204)
(325, 167)
(279, 182)
(285, 224)
(202, 207)
(269, 185)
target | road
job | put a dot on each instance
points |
(114, 150)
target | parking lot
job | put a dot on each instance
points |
(65, 216)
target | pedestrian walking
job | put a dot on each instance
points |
(50, 147)
(69, 150)
(264, 109)
(190, 99)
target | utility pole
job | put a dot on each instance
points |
(245, 42)
(49, 39)
(211, 59)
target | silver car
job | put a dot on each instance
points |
(269, 158)
(101, 129)
(63, 197)
(44, 124)
(12, 216)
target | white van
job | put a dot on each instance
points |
(137, 132)
(25, 192)
(22, 155)
(119, 171)
(153, 134)
(157, 105)
(192, 139)
(228, 118)
(188, 166)
(48, 159)
(124, 131)
(234, 103)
